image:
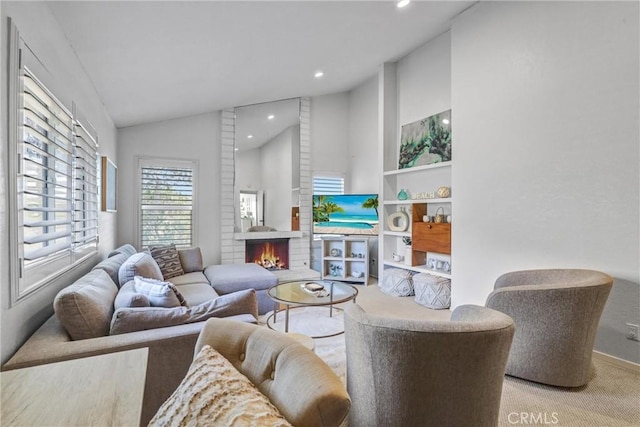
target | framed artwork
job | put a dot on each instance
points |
(426, 141)
(109, 185)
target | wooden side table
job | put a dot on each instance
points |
(99, 390)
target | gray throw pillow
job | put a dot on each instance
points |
(129, 297)
(191, 260)
(159, 293)
(85, 307)
(139, 319)
(140, 264)
(168, 260)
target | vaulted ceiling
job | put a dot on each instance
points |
(152, 61)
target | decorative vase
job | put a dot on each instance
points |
(444, 192)
(408, 255)
(402, 195)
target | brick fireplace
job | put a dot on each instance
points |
(272, 254)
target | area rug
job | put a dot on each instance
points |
(315, 321)
(612, 397)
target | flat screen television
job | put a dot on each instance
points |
(345, 214)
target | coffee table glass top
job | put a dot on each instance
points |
(293, 293)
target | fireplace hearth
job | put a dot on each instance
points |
(272, 254)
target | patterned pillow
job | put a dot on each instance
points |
(168, 260)
(216, 393)
(159, 294)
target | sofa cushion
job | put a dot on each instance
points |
(126, 249)
(168, 260)
(190, 279)
(85, 307)
(129, 297)
(197, 293)
(233, 277)
(159, 293)
(139, 319)
(112, 266)
(221, 394)
(141, 264)
(191, 260)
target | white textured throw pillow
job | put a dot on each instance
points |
(214, 393)
(159, 293)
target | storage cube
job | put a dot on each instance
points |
(432, 291)
(397, 282)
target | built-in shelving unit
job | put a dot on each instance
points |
(430, 251)
(345, 259)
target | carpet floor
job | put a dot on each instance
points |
(611, 399)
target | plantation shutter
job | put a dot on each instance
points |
(45, 181)
(328, 185)
(166, 204)
(85, 218)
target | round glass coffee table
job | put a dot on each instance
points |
(303, 294)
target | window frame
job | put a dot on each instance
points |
(46, 269)
(146, 161)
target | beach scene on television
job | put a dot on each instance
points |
(345, 214)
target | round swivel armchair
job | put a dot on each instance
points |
(426, 373)
(556, 313)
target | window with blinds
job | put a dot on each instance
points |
(166, 203)
(328, 185)
(57, 187)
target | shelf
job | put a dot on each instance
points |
(397, 233)
(412, 201)
(348, 260)
(417, 268)
(418, 168)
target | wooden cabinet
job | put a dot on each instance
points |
(345, 259)
(429, 236)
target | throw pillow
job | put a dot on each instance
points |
(168, 260)
(191, 260)
(139, 319)
(215, 393)
(85, 307)
(129, 297)
(159, 293)
(140, 264)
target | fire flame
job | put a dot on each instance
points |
(269, 259)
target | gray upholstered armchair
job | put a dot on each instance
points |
(556, 313)
(426, 373)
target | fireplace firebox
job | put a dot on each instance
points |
(272, 254)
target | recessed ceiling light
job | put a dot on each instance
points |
(403, 3)
(271, 117)
(249, 136)
(445, 121)
(318, 74)
(236, 149)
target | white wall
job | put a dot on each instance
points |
(546, 152)
(190, 138)
(249, 163)
(363, 137)
(63, 74)
(276, 182)
(424, 81)
(330, 133)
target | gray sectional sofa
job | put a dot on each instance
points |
(88, 321)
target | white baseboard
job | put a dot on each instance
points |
(616, 361)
